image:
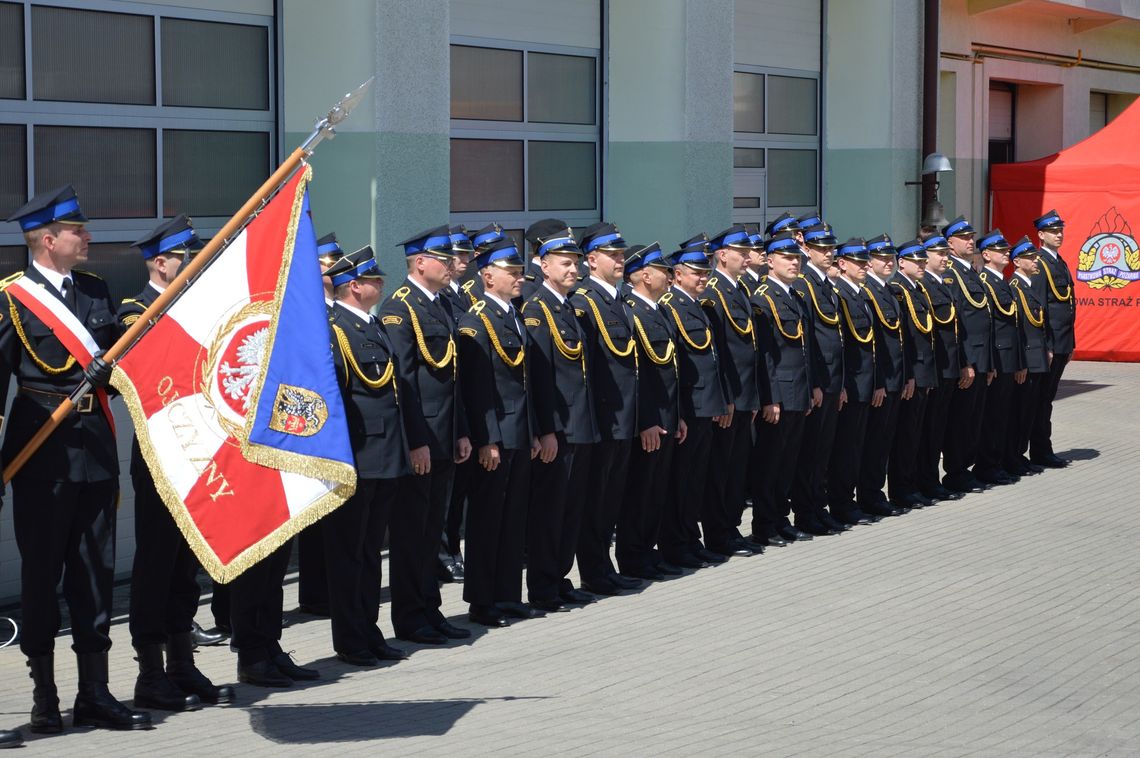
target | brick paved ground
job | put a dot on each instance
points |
(1005, 624)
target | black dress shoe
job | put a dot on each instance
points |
(548, 606)
(624, 582)
(852, 518)
(648, 574)
(832, 523)
(963, 483)
(668, 569)
(688, 560)
(731, 549)
(774, 540)
(385, 652)
(451, 631)
(1049, 460)
(882, 508)
(711, 556)
(756, 547)
(575, 596)
(604, 587)
(262, 674)
(202, 638)
(359, 658)
(813, 528)
(794, 533)
(487, 616)
(425, 635)
(938, 492)
(514, 610)
(10, 738)
(285, 665)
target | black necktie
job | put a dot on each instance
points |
(67, 291)
(513, 319)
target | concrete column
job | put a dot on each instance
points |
(873, 130)
(385, 176)
(668, 167)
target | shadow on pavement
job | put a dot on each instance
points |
(1079, 454)
(353, 722)
(1073, 387)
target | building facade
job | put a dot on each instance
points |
(667, 117)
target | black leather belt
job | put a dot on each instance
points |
(86, 403)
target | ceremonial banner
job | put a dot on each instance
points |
(1095, 186)
(234, 395)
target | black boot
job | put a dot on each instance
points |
(10, 738)
(45, 699)
(95, 706)
(154, 689)
(182, 671)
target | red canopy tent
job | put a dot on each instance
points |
(1095, 186)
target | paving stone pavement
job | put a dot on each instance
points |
(1005, 624)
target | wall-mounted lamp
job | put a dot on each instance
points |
(933, 214)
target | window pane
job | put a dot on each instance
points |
(560, 89)
(120, 265)
(92, 56)
(13, 258)
(561, 176)
(1098, 111)
(211, 173)
(791, 105)
(113, 170)
(791, 178)
(14, 159)
(747, 102)
(745, 202)
(11, 51)
(748, 157)
(486, 84)
(486, 175)
(210, 65)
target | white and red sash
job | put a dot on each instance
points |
(68, 329)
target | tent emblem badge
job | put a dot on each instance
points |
(1110, 257)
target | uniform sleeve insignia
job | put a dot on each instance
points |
(947, 280)
(531, 322)
(467, 331)
(393, 320)
(128, 320)
(579, 312)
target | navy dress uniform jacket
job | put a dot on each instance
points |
(1036, 329)
(495, 393)
(1062, 313)
(613, 376)
(560, 387)
(703, 385)
(918, 326)
(418, 330)
(82, 448)
(785, 340)
(819, 295)
(948, 354)
(730, 316)
(975, 330)
(860, 377)
(374, 415)
(658, 402)
(1009, 352)
(890, 355)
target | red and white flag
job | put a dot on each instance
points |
(234, 395)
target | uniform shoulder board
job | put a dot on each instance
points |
(762, 289)
(393, 320)
(467, 331)
(401, 293)
(706, 301)
(132, 301)
(947, 280)
(631, 302)
(665, 298)
(983, 275)
(1014, 281)
(532, 321)
(467, 285)
(477, 307)
(582, 291)
(9, 279)
(86, 273)
(528, 277)
(798, 292)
